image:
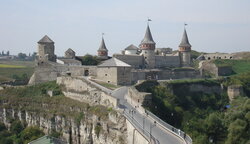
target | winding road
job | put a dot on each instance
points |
(146, 124)
(143, 123)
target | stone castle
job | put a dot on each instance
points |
(133, 64)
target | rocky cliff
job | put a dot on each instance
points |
(90, 130)
(77, 122)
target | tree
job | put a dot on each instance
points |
(214, 128)
(31, 133)
(16, 127)
(21, 56)
(90, 60)
(237, 130)
(8, 53)
(2, 127)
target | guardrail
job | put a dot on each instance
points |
(140, 129)
(170, 127)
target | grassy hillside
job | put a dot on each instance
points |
(10, 70)
(34, 98)
(238, 66)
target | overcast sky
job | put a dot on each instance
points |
(213, 25)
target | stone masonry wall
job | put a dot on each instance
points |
(107, 74)
(167, 61)
(49, 71)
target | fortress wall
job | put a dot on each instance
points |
(165, 74)
(80, 70)
(133, 60)
(107, 74)
(212, 56)
(81, 90)
(167, 61)
(50, 71)
(135, 76)
(46, 72)
(186, 73)
(179, 74)
(124, 75)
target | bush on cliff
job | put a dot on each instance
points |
(18, 133)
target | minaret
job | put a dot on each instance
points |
(103, 51)
(147, 48)
(46, 50)
(185, 51)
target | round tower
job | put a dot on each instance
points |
(46, 50)
(185, 51)
(102, 51)
(147, 48)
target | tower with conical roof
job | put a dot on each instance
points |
(147, 48)
(46, 50)
(185, 51)
(103, 51)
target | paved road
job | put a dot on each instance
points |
(145, 123)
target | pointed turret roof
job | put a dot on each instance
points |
(102, 46)
(148, 37)
(184, 41)
(45, 39)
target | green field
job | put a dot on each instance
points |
(238, 66)
(10, 70)
(11, 66)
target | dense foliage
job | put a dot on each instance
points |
(206, 117)
(90, 60)
(18, 133)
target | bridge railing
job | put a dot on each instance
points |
(170, 127)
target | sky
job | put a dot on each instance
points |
(213, 25)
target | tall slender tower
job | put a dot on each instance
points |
(103, 51)
(185, 50)
(147, 48)
(46, 50)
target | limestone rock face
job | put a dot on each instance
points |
(90, 130)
